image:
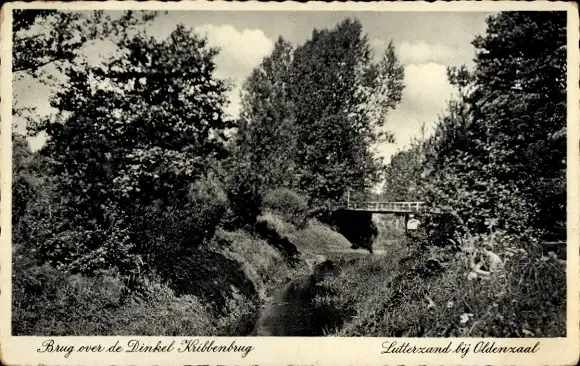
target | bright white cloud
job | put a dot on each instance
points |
(426, 92)
(424, 98)
(422, 52)
(427, 87)
(241, 52)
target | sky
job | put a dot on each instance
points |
(426, 43)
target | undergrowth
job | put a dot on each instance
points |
(431, 293)
(200, 299)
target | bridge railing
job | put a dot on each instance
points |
(387, 206)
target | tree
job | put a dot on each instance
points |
(24, 177)
(264, 147)
(402, 177)
(527, 104)
(498, 156)
(47, 42)
(59, 35)
(140, 128)
(404, 174)
(340, 98)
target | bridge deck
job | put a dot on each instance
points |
(387, 207)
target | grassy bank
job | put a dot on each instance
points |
(220, 300)
(430, 293)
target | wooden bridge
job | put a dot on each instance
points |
(387, 207)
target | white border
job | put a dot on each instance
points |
(295, 350)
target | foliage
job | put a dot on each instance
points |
(498, 157)
(375, 295)
(290, 206)
(262, 264)
(264, 144)
(43, 37)
(319, 239)
(48, 302)
(527, 105)
(121, 216)
(493, 175)
(340, 98)
(25, 182)
(143, 127)
(310, 117)
(403, 175)
(164, 234)
(121, 212)
(274, 230)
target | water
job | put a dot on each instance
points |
(290, 313)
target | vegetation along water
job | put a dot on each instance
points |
(149, 210)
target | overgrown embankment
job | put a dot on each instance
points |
(280, 256)
(218, 289)
(435, 293)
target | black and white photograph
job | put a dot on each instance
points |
(288, 173)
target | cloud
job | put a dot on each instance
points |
(427, 87)
(241, 51)
(426, 92)
(424, 98)
(422, 52)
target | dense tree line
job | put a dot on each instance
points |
(497, 159)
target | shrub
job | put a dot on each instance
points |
(48, 302)
(168, 233)
(316, 237)
(289, 205)
(208, 203)
(261, 263)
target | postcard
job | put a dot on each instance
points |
(280, 183)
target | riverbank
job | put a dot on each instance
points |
(430, 293)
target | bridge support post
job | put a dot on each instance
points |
(405, 220)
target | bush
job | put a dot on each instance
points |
(172, 238)
(316, 237)
(261, 263)
(290, 206)
(48, 302)
(208, 203)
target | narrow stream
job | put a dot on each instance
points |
(291, 312)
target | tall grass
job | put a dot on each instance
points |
(49, 302)
(413, 295)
